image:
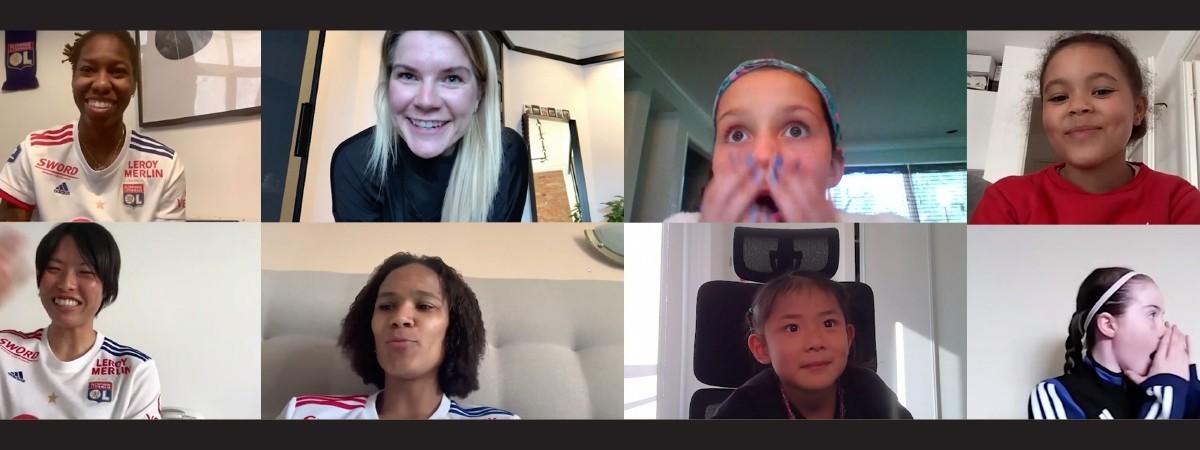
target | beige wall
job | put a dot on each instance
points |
(557, 251)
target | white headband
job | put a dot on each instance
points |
(1100, 303)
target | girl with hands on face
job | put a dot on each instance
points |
(777, 150)
(1123, 361)
(1172, 356)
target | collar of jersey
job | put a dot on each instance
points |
(442, 412)
(1105, 375)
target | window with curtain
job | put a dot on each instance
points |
(923, 193)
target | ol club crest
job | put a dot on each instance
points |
(133, 195)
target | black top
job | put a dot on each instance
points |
(416, 187)
(866, 397)
(1092, 391)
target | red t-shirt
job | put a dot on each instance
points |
(1045, 197)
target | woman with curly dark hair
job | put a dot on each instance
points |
(415, 332)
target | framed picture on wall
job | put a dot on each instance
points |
(527, 109)
(198, 75)
(535, 110)
(550, 112)
(565, 114)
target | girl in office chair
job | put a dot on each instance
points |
(416, 333)
(799, 326)
(1123, 360)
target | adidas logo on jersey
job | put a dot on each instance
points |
(62, 189)
(17, 376)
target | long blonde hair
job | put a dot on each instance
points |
(475, 177)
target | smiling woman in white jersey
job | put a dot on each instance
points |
(415, 332)
(95, 168)
(68, 370)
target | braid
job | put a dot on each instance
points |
(1074, 344)
(69, 50)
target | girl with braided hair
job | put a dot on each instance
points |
(95, 168)
(1123, 360)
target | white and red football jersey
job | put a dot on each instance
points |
(110, 381)
(363, 407)
(47, 174)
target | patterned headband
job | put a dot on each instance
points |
(755, 64)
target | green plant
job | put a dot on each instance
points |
(616, 209)
(576, 214)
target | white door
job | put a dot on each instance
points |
(1191, 74)
(896, 263)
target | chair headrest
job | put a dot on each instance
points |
(760, 254)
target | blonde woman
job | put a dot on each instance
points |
(438, 152)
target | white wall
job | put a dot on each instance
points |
(1168, 126)
(950, 317)
(1009, 134)
(981, 105)
(593, 96)
(552, 251)
(344, 106)
(697, 253)
(605, 83)
(643, 302)
(897, 264)
(189, 298)
(222, 156)
(1023, 286)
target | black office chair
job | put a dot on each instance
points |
(721, 357)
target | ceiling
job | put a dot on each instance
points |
(1145, 43)
(572, 44)
(892, 88)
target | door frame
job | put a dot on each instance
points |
(1187, 96)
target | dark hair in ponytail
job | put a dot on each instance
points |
(1094, 286)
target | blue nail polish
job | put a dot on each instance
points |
(778, 160)
(775, 174)
(753, 214)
